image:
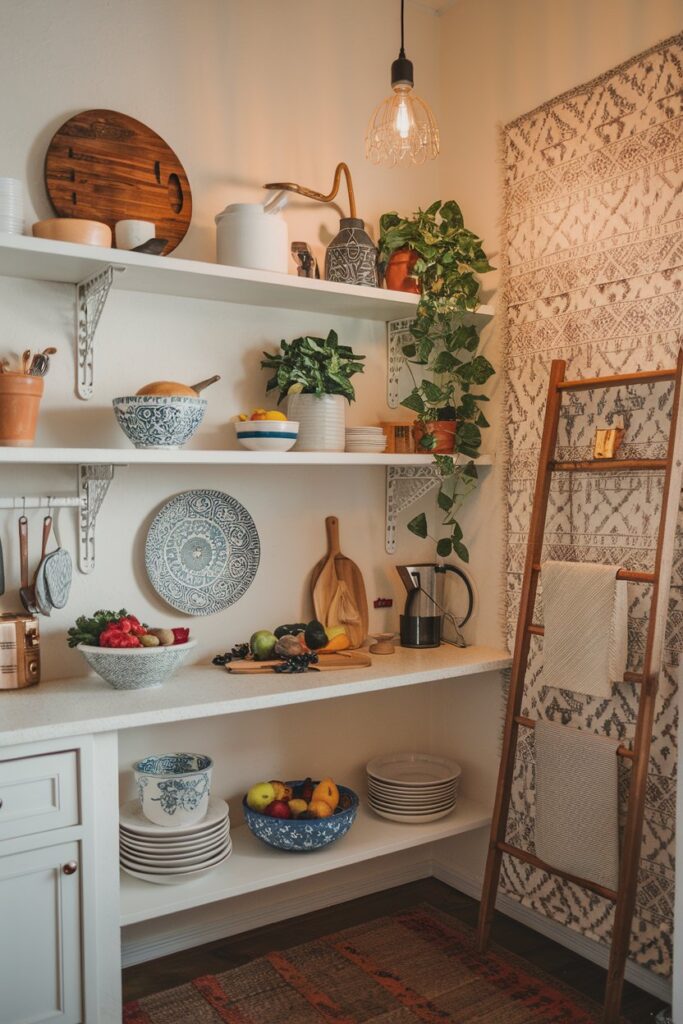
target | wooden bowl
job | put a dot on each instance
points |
(73, 229)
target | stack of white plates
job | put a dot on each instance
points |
(365, 439)
(412, 787)
(11, 206)
(168, 855)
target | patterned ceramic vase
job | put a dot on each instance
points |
(174, 789)
(351, 256)
(322, 422)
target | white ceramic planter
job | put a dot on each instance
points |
(322, 422)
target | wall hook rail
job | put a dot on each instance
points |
(91, 296)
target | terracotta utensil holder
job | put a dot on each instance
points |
(20, 396)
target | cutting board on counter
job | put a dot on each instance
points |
(327, 662)
(106, 166)
(338, 590)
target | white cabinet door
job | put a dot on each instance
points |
(40, 945)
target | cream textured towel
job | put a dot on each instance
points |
(577, 825)
(585, 615)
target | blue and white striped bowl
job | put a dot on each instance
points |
(267, 435)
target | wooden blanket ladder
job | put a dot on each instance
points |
(660, 578)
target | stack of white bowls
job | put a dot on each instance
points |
(11, 206)
(171, 855)
(365, 439)
(412, 787)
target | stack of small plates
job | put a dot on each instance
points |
(168, 855)
(365, 439)
(11, 206)
(412, 787)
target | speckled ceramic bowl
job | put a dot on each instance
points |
(302, 836)
(159, 421)
(136, 668)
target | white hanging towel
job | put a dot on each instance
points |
(585, 617)
(577, 824)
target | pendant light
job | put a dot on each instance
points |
(402, 130)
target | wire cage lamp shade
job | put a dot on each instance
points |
(402, 129)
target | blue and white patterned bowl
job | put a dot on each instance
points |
(174, 789)
(302, 836)
(159, 421)
(267, 435)
(136, 668)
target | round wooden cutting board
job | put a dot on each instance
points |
(106, 166)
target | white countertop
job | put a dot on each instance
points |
(73, 707)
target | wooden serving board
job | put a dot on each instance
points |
(106, 166)
(327, 662)
(333, 569)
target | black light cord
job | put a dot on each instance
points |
(402, 52)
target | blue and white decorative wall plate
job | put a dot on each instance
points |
(202, 552)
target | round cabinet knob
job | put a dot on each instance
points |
(0, 803)
(70, 868)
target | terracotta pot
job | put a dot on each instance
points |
(443, 431)
(19, 404)
(399, 267)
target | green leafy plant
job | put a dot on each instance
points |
(444, 348)
(313, 366)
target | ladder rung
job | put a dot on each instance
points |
(585, 883)
(617, 379)
(608, 466)
(530, 723)
(631, 576)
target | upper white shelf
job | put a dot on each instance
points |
(196, 457)
(40, 260)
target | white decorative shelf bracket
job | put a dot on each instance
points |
(397, 336)
(405, 486)
(93, 484)
(91, 295)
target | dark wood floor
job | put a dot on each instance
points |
(214, 957)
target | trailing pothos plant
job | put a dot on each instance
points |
(444, 348)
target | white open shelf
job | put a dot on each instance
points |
(69, 707)
(192, 457)
(37, 259)
(253, 866)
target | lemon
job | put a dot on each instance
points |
(274, 414)
(242, 417)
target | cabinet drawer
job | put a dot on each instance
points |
(38, 794)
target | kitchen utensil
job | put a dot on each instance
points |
(26, 361)
(382, 644)
(202, 551)
(326, 663)
(40, 363)
(135, 668)
(106, 165)
(58, 573)
(130, 234)
(254, 236)
(336, 568)
(306, 263)
(78, 230)
(153, 247)
(159, 421)
(41, 599)
(203, 384)
(25, 591)
(424, 612)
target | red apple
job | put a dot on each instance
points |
(278, 809)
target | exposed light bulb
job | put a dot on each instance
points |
(403, 120)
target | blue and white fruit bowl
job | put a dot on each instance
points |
(302, 835)
(267, 435)
(174, 789)
(159, 421)
(136, 668)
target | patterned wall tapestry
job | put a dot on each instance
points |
(593, 273)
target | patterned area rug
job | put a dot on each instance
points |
(419, 966)
(593, 247)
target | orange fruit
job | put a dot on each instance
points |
(327, 792)
(275, 414)
(320, 808)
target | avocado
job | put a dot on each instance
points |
(315, 635)
(291, 629)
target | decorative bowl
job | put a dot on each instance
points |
(267, 435)
(136, 668)
(302, 836)
(73, 229)
(159, 421)
(174, 789)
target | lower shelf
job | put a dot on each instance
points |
(254, 866)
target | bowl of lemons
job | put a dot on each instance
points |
(266, 431)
